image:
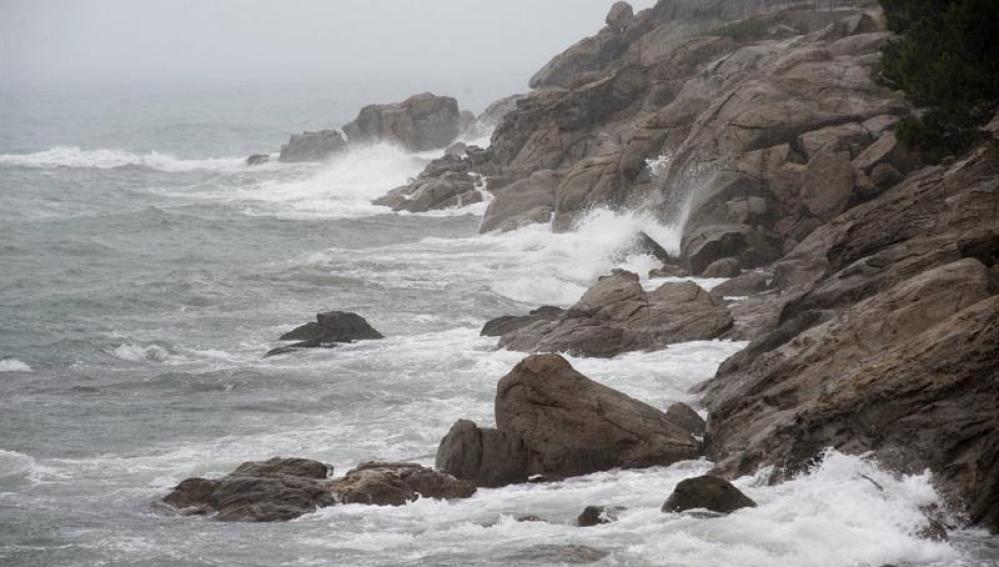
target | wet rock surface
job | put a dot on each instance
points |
(708, 492)
(284, 489)
(616, 315)
(421, 122)
(312, 146)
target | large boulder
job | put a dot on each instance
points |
(444, 183)
(707, 492)
(421, 122)
(575, 426)
(616, 315)
(527, 201)
(310, 146)
(485, 457)
(284, 489)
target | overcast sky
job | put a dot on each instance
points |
(92, 41)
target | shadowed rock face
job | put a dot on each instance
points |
(486, 457)
(573, 425)
(421, 122)
(284, 489)
(616, 315)
(708, 492)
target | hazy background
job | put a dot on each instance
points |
(80, 42)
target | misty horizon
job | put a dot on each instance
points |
(426, 44)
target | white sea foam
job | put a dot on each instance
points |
(13, 365)
(14, 466)
(75, 157)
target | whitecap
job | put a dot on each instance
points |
(13, 365)
(76, 157)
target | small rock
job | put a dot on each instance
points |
(597, 515)
(671, 271)
(257, 159)
(330, 327)
(684, 416)
(749, 283)
(710, 492)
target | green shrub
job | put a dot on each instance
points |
(946, 59)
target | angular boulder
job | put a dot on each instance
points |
(421, 122)
(616, 315)
(312, 146)
(484, 457)
(707, 492)
(685, 416)
(575, 426)
(598, 515)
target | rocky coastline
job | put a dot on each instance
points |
(867, 278)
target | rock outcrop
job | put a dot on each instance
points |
(330, 328)
(707, 492)
(573, 425)
(284, 489)
(444, 184)
(598, 515)
(616, 315)
(885, 340)
(421, 122)
(312, 146)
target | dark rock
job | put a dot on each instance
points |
(752, 247)
(669, 272)
(485, 457)
(444, 183)
(684, 416)
(332, 327)
(420, 123)
(257, 159)
(527, 201)
(508, 323)
(284, 489)
(313, 146)
(274, 490)
(710, 492)
(575, 426)
(616, 315)
(597, 515)
(722, 268)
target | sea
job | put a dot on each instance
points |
(145, 270)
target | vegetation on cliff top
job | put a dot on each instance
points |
(946, 60)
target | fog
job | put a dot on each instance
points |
(248, 41)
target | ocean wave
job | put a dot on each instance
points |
(13, 365)
(14, 466)
(132, 352)
(75, 157)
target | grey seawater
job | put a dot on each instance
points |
(144, 271)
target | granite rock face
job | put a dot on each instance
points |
(312, 146)
(421, 122)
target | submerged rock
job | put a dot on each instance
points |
(284, 489)
(616, 315)
(709, 492)
(574, 426)
(598, 515)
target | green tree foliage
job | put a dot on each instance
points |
(946, 59)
